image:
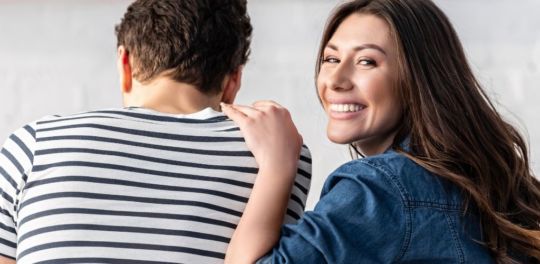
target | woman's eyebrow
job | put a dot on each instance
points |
(359, 48)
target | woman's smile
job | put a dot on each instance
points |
(345, 111)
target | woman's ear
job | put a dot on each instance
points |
(231, 85)
(123, 64)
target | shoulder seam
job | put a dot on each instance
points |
(457, 241)
(392, 179)
(435, 205)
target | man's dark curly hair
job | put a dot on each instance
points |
(193, 41)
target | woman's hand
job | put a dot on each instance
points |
(272, 137)
(269, 132)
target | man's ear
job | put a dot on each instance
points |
(232, 84)
(124, 69)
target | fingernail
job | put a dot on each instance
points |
(223, 105)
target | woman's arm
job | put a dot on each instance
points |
(274, 141)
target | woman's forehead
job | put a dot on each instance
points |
(360, 29)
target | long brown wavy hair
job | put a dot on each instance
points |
(455, 131)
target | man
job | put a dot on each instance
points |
(164, 179)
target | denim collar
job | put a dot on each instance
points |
(405, 145)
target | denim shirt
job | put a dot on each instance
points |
(383, 209)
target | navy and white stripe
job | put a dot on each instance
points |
(128, 186)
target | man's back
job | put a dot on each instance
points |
(128, 185)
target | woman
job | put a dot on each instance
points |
(443, 179)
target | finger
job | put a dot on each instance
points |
(246, 110)
(272, 108)
(233, 113)
(263, 103)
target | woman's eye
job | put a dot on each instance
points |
(330, 60)
(367, 62)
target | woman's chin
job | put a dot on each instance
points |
(340, 138)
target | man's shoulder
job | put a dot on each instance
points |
(305, 154)
(52, 118)
(304, 164)
(141, 118)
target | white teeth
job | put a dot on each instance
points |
(346, 107)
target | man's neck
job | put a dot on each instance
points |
(168, 96)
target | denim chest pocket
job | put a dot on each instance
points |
(435, 236)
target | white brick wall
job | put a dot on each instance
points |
(58, 57)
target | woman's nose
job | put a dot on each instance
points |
(340, 78)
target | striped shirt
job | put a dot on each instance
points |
(128, 186)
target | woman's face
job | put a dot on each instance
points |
(356, 84)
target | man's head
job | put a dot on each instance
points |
(198, 42)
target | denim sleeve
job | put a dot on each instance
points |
(360, 218)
